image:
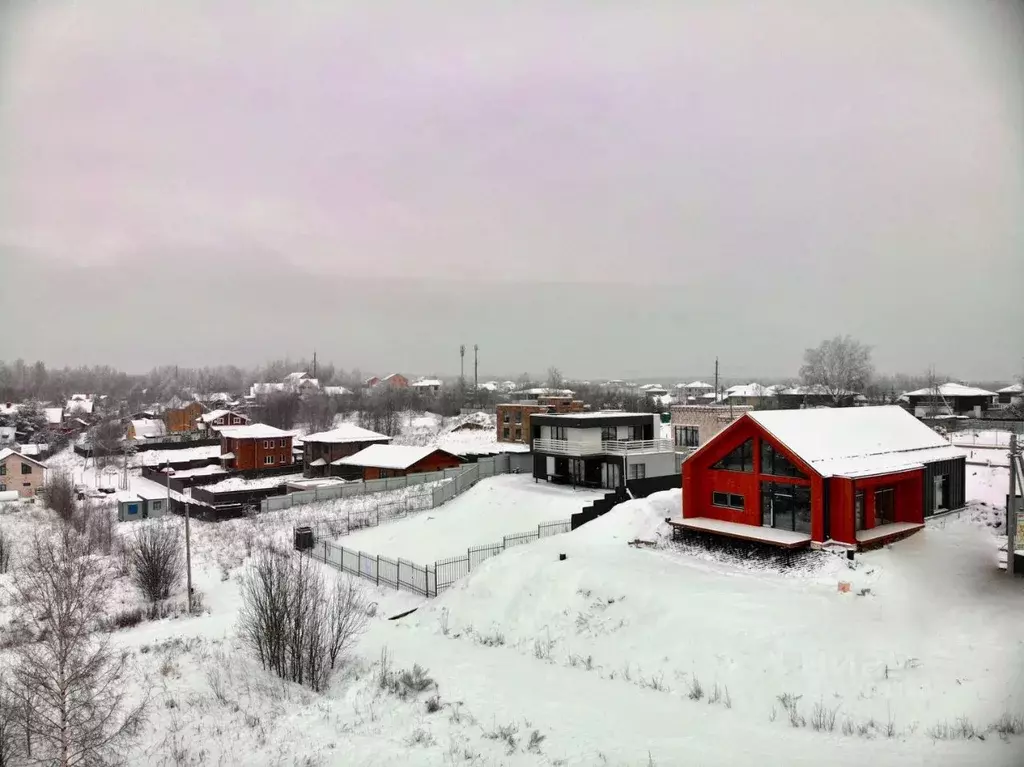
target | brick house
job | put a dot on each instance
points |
(183, 418)
(21, 473)
(321, 452)
(513, 418)
(854, 476)
(381, 461)
(255, 446)
(396, 380)
(694, 425)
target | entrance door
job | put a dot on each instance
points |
(611, 475)
(885, 506)
(858, 510)
(941, 486)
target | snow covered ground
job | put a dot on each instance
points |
(491, 509)
(258, 483)
(456, 434)
(601, 653)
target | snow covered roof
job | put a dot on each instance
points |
(695, 385)
(388, 456)
(318, 462)
(426, 382)
(336, 391)
(8, 452)
(254, 431)
(146, 428)
(856, 441)
(213, 415)
(748, 390)
(296, 376)
(950, 389)
(1017, 388)
(83, 405)
(347, 432)
(54, 415)
(9, 408)
(227, 456)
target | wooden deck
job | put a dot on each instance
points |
(883, 534)
(769, 536)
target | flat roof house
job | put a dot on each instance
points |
(255, 446)
(856, 476)
(599, 449)
(323, 451)
(21, 473)
(381, 461)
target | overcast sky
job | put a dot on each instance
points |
(617, 188)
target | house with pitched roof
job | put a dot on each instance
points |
(323, 451)
(855, 476)
(22, 473)
(381, 461)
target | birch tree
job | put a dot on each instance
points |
(73, 681)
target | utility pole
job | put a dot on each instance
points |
(314, 363)
(188, 558)
(1011, 504)
(716, 379)
(476, 371)
(462, 362)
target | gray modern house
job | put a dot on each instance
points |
(599, 449)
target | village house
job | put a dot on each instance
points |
(7, 436)
(513, 418)
(1011, 395)
(949, 399)
(21, 473)
(427, 385)
(693, 425)
(599, 449)
(692, 392)
(853, 476)
(382, 461)
(323, 451)
(255, 446)
(146, 428)
(181, 416)
(215, 420)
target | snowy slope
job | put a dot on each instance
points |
(598, 652)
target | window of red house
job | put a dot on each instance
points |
(740, 459)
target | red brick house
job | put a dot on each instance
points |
(381, 461)
(855, 476)
(255, 446)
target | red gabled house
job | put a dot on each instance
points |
(381, 461)
(856, 476)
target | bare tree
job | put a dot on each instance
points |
(838, 366)
(59, 494)
(281, 409)
(12, 739)
(555, 378)
(73, 682)
(6, 551)
(105, 438)
(317, 412)
(155, 560)
(293, 624)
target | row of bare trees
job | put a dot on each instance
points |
(294, 623)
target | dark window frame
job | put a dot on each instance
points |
(686, 436)
(731, 501)
(742, 454)
(26, 468)
(775, 464)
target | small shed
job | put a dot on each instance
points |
(141, 504)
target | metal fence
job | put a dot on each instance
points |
(464, 477)
(426, 580)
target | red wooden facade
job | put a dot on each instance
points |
(838, 522)
(435, 461)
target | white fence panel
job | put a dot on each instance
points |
(395, 483)
(375, 485)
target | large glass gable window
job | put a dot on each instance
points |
(775, 463)
(740, 459)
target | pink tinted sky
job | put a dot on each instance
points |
(790, 145)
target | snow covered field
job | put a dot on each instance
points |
(493, 508)
(600, 654)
